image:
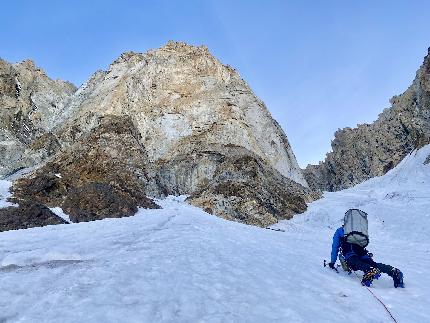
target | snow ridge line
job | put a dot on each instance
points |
(386, 308)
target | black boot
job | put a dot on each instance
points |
(398, 278)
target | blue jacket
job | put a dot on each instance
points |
(348, 249)
(337, 241)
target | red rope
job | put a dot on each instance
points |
(388, 311)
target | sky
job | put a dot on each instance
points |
(318, 65)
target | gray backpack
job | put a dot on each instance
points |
(355, 227)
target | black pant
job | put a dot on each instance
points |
(365, 263)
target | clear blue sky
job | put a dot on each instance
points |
(318, 65)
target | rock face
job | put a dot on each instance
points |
(180, 96)
(170, 121)
(373, 149)
(28, 99)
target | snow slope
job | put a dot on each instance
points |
(179, 264)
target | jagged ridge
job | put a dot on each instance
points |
(373, 149)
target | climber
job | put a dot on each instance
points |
(351, 239)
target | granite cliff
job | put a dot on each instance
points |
(371, 150)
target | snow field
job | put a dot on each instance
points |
(179, 264)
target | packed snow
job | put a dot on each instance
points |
(180, 264)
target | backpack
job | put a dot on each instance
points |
(355, 227)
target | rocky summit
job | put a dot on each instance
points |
(170, 121)
(373, 149)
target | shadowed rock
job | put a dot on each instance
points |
(95, 201)
(27, 215)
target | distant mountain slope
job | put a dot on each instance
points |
(179, 264)
(373, 149)
(28, 101)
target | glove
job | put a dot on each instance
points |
(331, 265)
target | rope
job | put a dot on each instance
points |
(382, 303)
(388, 311)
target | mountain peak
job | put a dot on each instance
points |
(182, 47)
(202, 130)
(172, 47)
(128, 56)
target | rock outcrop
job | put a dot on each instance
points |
(170, 121)
(27, 215)
(373, 149)
(244, 189)
(28, 100)
(102, 175)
